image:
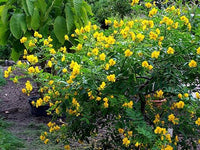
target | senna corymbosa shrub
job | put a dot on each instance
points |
(113, 78)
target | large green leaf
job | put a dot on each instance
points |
(4, 15)
(69, 18)
(3, 33)
(60, 28)
(28, 7)
(42, 6)
(17, 25)
(35, 19)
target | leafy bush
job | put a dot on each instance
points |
(54, 17)
(104, 9)
(116, 76)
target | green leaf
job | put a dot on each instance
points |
(15, 55)
(28, 7)
(69, 18)
(17, 25)
(3, 34)
(35, 19)
(60, 29)
(4, 15)
(42, 5)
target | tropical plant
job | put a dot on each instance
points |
(110, 80)
(53, 17)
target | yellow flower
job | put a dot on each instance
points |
(23, 39)
(46, 141)
(150, 67)
(79, 46)
(153, 12)
(102, 56)
(140, 37)
(63, 58)
(52, 51)
(198, 50)
(37, 70)
(49, 64)
(170, 50)
(29, 86)
(106, 105)
(32, 59)
(107, 67)
(159, 94)
(192, 63)
(180, 96)
(137, 144)
(6, 74)
(197, 95)
(98, 98)
(145, 64)
(197, 122)
(66, 37)
(153, 35)
(107, 22)
(64, 70)
(42, 137)
(23, 90)
(67, 147)
(112, 62)
(95, 51)
(148, 5)
(184, 19)
(51, 82)
(186, 95)
(128, 53)
(102, 86)
(180, 104)
(111, 78)
(126, 141)
(130, 133)
(155, 54)
(121, 131)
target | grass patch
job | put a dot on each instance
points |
(7, 140)
(2, 79)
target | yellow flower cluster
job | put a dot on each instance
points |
(43, 138)
(153, 35)
(7, 72)
(134, 2)
(126, 141)
(155, 54)
(170, 50)
(160, 130)
(173, 119)
(23, 39)
(28, 88)
(33, 70)
(32, 59)
(148, 5)
(128, 53)
(105, 102)
(111, 78)
(102, 86)
(157, 119)
(180, 104)
(197, 122)
(167, 147)
(192, 64)
(152, 12)
(36, 34)
(186, 22)
(128, 105)
(145, 64)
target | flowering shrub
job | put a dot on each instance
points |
(112, 77)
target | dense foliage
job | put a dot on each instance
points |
(53, 17)
(137, 80)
